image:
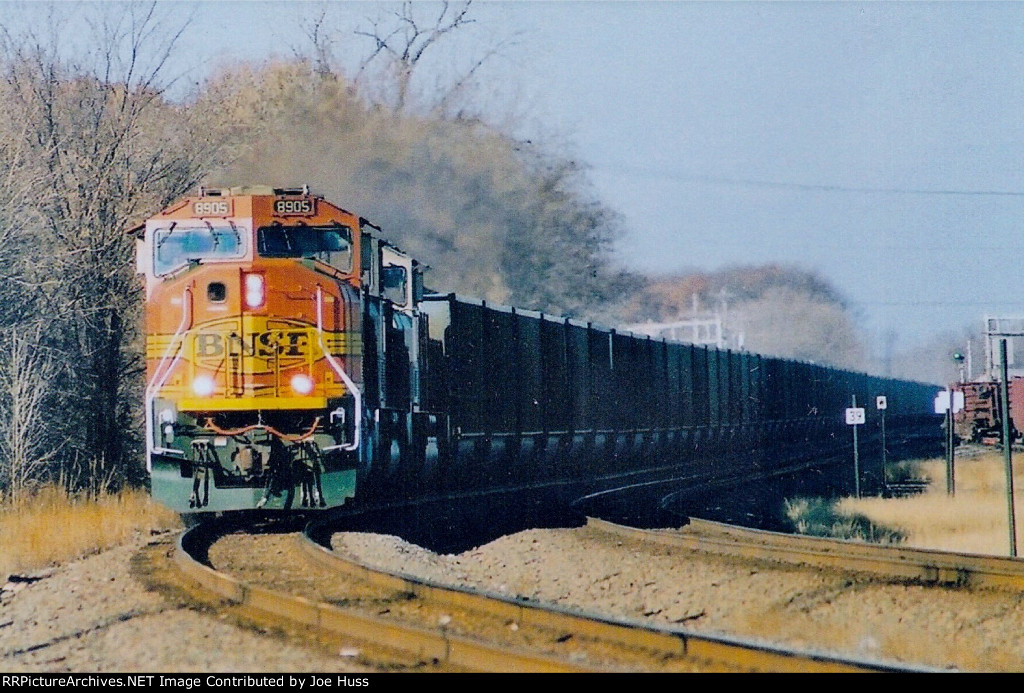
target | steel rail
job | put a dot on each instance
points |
(674, 649)
(927, 566)
(262, 605)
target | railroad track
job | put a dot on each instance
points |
(393, 621)
(893, 562)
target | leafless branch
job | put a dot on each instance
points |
(401, 42)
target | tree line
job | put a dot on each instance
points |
(777, 310)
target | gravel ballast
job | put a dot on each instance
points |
(94, 615)
(792, 606)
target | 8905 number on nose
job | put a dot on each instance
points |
(299, 207)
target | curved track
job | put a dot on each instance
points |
(919, 565)
(670, 500)
(396, 621)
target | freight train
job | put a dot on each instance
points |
(294, 360)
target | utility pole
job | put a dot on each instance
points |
(950, 445)
(1007, 445)
(881, 404)
(855, 417)
(951, 431)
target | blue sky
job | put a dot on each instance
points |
(847, 138)
(880, 144)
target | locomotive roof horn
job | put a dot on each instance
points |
(304, 190)
(253, 190)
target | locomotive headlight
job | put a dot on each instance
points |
(302, 384)
(255, 290)
(203, 385)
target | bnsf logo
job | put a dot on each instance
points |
(274, 342)
(285, 347)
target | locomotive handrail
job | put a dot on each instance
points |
(349, 383)
(186, 315)
(161, 374)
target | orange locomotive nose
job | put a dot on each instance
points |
(253, 335)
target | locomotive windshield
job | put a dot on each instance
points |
(330, 244)
(175, 246)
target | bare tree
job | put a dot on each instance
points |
(25, 442)
(107, 148)
(405, 47)
(20, 190)
(403, 39)
(322, 40)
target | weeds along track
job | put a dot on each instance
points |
(925, 566)
(291, 583)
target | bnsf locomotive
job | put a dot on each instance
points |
(293, 361)
(256, 304)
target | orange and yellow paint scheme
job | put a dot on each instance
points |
(253, 349)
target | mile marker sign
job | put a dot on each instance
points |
(854, 415)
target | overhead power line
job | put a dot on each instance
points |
(814, 187)
(936, 304)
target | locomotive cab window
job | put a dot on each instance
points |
(394, 281)
(329, 244)
(216, 292)
(175, 246)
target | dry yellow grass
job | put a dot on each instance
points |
(50, 527)
(975, 520)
